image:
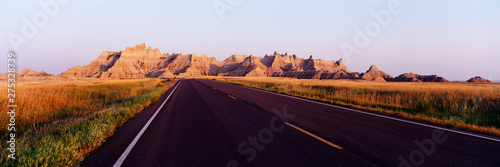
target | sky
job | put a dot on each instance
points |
(455, 39)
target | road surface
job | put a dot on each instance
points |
(209, 123)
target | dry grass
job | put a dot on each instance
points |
(474, 107)
(59, 122)
(43, 102)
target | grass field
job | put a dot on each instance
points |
(59, 122)
(474, 107)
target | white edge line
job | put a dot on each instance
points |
(132, 144)
(373, 114)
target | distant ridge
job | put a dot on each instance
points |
(145, 62)
(26, 72)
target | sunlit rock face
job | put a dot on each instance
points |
(141, 61)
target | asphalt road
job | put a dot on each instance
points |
(209, 123)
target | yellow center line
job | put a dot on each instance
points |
(231, 96)
(317, 137)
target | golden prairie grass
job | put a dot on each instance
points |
(43, 102)
(467, 106)
(57, 123)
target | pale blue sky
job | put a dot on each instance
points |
(456, 39)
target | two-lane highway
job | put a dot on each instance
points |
(209, 123)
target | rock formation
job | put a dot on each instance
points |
(141, 61)
(134, 62)
(26, 72)
(29, 75)
(478, 79)
(374, 74)
(410, 77)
